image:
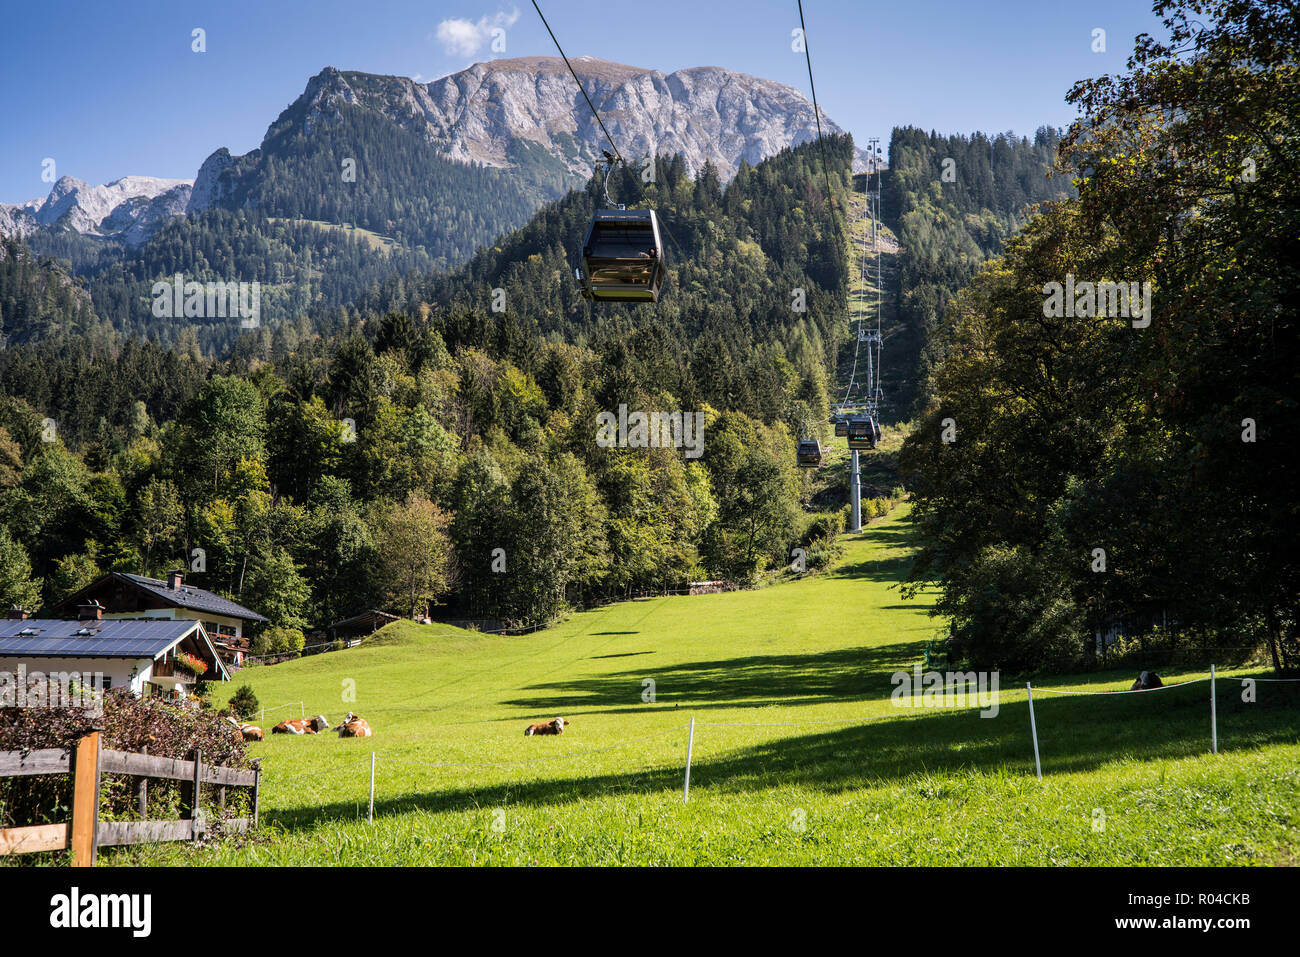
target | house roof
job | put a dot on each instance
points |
(357, 619)
(187, 596)
(108, 638)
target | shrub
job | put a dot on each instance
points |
(821, 553)
(202, 692)
(129, 724)
(244, 703)
(278, 640)
(826, 527)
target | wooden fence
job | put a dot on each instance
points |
(85, 833)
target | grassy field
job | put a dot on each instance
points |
(799, 755)
(376, 241)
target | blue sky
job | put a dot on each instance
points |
(108, 89)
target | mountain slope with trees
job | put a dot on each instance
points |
(952, 201)
(391, 463)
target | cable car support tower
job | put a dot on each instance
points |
(873, 340)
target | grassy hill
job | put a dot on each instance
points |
(799, 755)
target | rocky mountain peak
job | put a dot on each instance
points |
(486, 112)
(121, 208)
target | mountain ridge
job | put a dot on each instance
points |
(127, 208)
(520, 115)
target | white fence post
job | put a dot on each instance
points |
(371, 817)
(690, 747)
(1214, 717)
(1033, 728)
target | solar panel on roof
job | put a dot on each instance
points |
(113, 638)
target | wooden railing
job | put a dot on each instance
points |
(85, 833)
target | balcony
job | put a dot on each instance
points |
(171, 671)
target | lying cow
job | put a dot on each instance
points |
(354, 726)
(1146, 681)
(301, 726)
(554, 726)
(246, 732)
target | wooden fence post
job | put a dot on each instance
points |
(85, 800)
(196, 796)
(142, 792)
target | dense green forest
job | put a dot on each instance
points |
(727, 329)
(952, 201)
(303, 268)
(386, 464)
(1077, 471)
(38, 299)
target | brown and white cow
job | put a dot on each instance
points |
(246, 732)
(354, 726)
(554, 726)
(301, 726)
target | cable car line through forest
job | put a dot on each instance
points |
(622, 255)
(583, 89)
(623, 251)
(817, 116)
(860, 432)
(808, 450)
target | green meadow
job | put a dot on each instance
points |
(799, 755)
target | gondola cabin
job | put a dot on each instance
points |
(841, 426)
(808, 455)
(623, 257)
(863, 434)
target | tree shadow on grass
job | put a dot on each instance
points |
(844, 674)
(1075, 735)
(892, 568)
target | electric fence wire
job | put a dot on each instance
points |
(1130, 691)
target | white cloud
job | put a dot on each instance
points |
(461, 37)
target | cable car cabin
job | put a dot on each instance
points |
(841, 426)
(863, 434)
(808, 455)
(623, 257)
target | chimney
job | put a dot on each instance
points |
(91, 611)
(174, 579)
(17, 613)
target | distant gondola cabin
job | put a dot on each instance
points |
(808, 455)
